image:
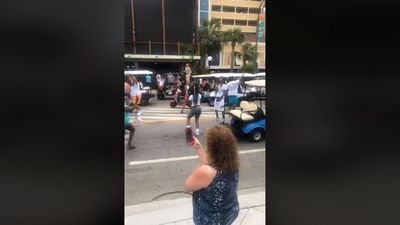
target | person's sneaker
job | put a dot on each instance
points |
(131, 147)
(139, 112)
(197, 132)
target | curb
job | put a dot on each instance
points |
(169, 211)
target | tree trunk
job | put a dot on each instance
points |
(232, 56)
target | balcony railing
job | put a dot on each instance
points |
(158, 48)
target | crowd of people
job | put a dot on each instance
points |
(214, 182)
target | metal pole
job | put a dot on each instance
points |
(256, 53)
(163, 24)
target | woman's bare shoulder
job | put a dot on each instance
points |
(205, 171)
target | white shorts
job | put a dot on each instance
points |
(138, 94)
(219, 106)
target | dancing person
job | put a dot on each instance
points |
(195, 109)
(135, 93)
(233, 86)
(219, 102)
(136, 96)
(215, 181)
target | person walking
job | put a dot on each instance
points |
(219, 102)
(195, 109)
(214, 182)
(136, 95)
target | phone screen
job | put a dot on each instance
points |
(189, 136)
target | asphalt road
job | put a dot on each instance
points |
(158, 167)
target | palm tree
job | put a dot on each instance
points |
(248, 53)
(210, 39)
(234, 36)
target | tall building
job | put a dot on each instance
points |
(236, 13)
(159, 33)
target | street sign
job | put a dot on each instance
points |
(260, 31)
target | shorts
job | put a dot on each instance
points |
(233, 100)
(219, 105)
(130, 127)
(194, 111)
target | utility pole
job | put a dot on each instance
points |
(256, 55)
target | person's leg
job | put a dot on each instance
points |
(131, 129)
(216, 114)
(189, 116)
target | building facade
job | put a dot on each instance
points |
(243, 14)
(159, 34)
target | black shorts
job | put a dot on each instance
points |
(194, 111)
(129, 127)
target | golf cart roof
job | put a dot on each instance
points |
(255, 83)
(137, 72)
(224, 75)
(262, 74)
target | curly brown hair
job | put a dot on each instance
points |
(222, 149)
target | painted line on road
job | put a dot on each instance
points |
(134, 163)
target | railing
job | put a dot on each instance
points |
(158, 48)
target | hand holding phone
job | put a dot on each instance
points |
(196, 143)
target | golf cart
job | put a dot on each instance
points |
(210, 96)
(250, 119)
(168, 88)
(140, 75)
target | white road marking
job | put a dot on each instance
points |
(134, 163)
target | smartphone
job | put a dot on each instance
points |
(189, 135)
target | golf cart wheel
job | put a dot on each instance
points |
(161, 96)
(256, 135)
(211, 103)
(173, 104)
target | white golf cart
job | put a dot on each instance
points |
(145, 90)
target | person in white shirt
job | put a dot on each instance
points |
(233, 86)
(136, 94)
(219, 101)
(195, 109)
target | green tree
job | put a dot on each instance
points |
(248, 53)
(248, 68)
(233, 36)
(210, 40)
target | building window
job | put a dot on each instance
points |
(253, 10)
(241, 22)
(229, 9)
(217, 20)
(216, 8)
(204, 5)
(252, 23)
(203, 17)
(227, 22)
(242, 10)
(203, 11)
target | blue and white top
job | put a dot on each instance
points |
(217, 204)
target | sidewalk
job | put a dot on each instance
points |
(179, 211)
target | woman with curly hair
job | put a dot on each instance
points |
(215, 181)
